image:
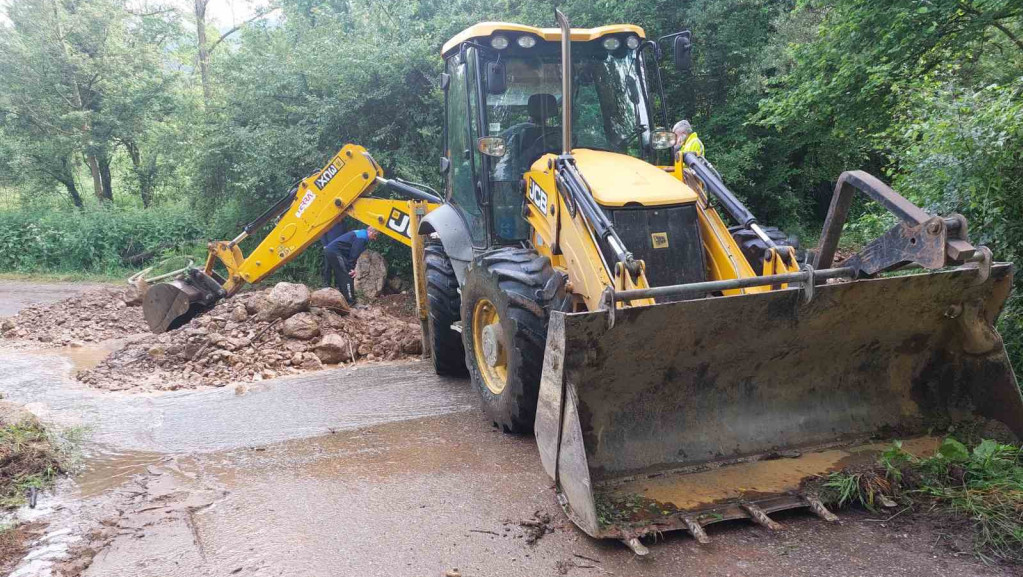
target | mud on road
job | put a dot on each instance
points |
(379, 469)
(260, 334)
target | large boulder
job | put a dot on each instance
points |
(330, 299)
(370, 274)
(333, 349)
(284, 300)
(303, 326)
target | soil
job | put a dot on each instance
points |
(402, 305)
(96, 315)
(14, 543)
(235, 343)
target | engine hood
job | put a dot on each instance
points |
(619, 180)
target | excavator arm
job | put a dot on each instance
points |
(342, 188)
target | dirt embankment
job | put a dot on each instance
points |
(254, 336)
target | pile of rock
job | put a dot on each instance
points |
(93, 316)
(256, 336)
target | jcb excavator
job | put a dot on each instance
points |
(676, 372)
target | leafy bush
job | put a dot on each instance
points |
(93, 241)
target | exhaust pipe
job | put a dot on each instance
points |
(566, 81)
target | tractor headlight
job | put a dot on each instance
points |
(526, 41)
(661, 139)
(498, 42)
(611, 43)
(632, 42)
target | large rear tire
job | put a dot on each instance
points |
(444, 303)
(753, 248)
(506, 302)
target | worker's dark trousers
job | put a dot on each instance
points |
(337, 264)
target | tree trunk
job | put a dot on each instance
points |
(204, 55)
(68, 180)
(104, 175)
(97, 180)
(145, 175)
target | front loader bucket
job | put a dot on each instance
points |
(687, 413)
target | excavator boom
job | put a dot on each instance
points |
(309, 210)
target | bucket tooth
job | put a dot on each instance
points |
(819, 509)
(760, 517)
(696, 530)
(637, 547)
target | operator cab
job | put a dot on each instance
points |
(503, 107)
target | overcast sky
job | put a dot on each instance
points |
(221, 13)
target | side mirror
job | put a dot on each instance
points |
(661, 139)
(497, 82)
(445, 80)
(682, 53)
(492, 146)
(445, 165)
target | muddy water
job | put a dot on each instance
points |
(81, 358)
(215, 419)
(105, 469)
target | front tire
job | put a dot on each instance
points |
(754, 249)
(506, 302)
(444, 303)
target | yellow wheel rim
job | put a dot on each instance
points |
(489, 347)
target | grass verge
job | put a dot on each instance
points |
(978, 487)
(32, 457)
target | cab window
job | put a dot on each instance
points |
(461, 149)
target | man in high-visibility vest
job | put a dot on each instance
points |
(686, 140)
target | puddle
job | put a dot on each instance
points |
(106, 469)
(82, 358)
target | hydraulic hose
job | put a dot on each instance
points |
(739, 213)
(410, 191)
(273, 212)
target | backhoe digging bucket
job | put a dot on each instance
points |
(687, 413)
(169, 305)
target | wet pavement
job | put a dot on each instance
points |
(382, 469)
(14, 295)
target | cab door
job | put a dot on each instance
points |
(461, 131)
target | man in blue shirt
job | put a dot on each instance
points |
(342, 253)
(329, 236)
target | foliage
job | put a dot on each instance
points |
(97, 241)
(982, 486)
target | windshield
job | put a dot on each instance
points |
(609, 108)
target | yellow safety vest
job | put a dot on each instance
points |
(692, 144)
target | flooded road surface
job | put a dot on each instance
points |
(251, 414)
(380, 470)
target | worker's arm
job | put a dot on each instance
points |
(317, 204)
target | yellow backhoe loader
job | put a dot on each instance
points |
(342, 188)
(676, 372)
